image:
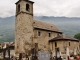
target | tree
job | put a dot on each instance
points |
(77, 36)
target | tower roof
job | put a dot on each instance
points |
(25, 0)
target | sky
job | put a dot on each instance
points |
(56, 8)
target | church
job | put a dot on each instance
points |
(38, 36)
(36, 39)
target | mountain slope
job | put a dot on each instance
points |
(7, 29)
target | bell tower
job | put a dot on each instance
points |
(24, 6)
(23, 26)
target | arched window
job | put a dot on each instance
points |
(49, 34)
(55, 44)
(39, 33)
(69, 43)
(27, 7)
(18, 7)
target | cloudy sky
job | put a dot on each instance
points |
(67, 8)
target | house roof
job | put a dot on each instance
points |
(63, 37)
(45, 26)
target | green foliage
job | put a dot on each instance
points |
(77, 36)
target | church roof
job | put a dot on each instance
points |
(63, 37)
(45, 26)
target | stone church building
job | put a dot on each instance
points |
(41, 36)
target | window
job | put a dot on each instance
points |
(55, 44)
(39, 33)
(18, 7)
(27, 7)
(69, 43)
(49, 34)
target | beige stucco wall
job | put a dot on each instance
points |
(43, 40)
(63, 44)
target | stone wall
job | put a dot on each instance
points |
(23, 27)
(23, 33)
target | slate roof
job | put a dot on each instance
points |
(45, 26)
(63, 38)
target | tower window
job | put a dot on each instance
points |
(39, 33)
(27, 7)
(18, 7)
(49, 34)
